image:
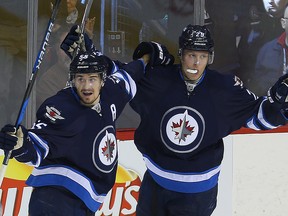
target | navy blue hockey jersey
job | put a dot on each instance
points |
(180, 134)
(75, 146)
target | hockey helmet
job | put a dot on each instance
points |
(198, 38)
(90, 62)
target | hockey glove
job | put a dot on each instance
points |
(278, 95)
(10, 139)
(159, 55)
(279, 91)
(75, 39)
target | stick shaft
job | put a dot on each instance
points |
(29, 87)
(82, 26)
(85, 15)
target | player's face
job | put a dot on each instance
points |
(194, 63)
(88, 88)
(274, 7)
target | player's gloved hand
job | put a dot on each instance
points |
(10, 139)
(278, 93)
(159, 55)
(74, 40)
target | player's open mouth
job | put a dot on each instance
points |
(87, 93)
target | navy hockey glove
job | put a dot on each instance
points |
(278, 93)
(159, 55)
(10, 139)
(75, 39)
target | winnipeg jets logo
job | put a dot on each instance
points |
(105, 153)
(182, 129)
(109, 148)
(53, 114)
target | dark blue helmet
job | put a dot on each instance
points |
(90, 62)
(198, 38)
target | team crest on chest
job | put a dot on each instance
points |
(105, 154)
(182, 129)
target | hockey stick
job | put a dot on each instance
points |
(29, 87)
(82, 26)
(85, 15)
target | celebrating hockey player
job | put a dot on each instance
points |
(72, 145)
(186, 110)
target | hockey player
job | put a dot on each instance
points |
(186, 110)
(72, 145)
